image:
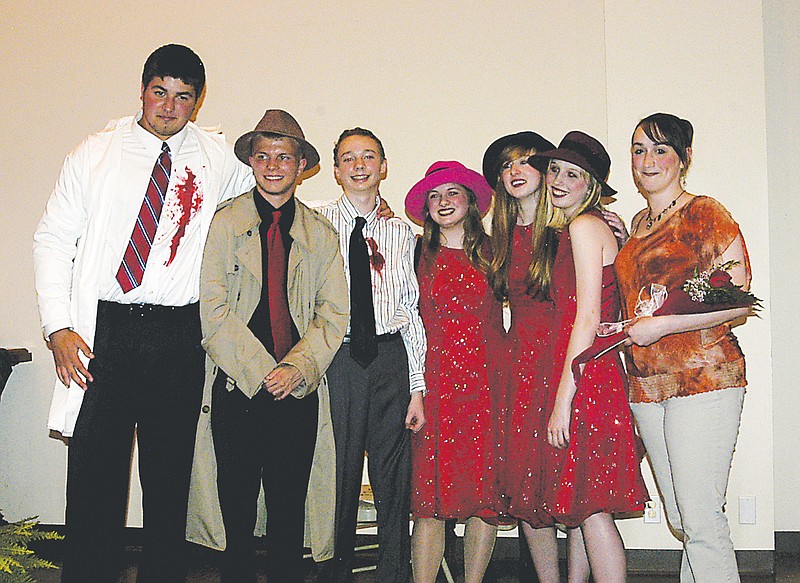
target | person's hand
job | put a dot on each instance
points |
(384, 210)
(66, 344)
(617, 226)
(644, 331)
(558, 427)
(282, 380)
(415, 418)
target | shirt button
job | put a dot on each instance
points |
(206, 409)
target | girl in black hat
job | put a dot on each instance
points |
(519, 188)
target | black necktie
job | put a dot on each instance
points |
(363, 347)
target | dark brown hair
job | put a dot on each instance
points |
(356, 132)
(677, 133)
(474, 236)
(178, 62)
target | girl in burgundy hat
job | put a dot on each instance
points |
(591, 463)
(453, 456)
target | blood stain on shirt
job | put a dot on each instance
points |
(376, 259)
(189, 199)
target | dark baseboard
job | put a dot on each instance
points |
(787, 542)
(658, 562)
(640, 561)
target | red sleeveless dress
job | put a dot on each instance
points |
(522, 478)
(599, 471)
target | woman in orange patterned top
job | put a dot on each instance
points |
(686, 371)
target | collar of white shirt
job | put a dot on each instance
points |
(153, 143)
(349, 211)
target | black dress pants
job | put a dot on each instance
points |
(148, 376)
(261, 441)
(368, 409)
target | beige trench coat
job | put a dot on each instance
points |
(230, 289)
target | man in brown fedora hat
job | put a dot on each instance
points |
(117, 262)
(274, 310)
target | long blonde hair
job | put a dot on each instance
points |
(504, 219)
(545, 241)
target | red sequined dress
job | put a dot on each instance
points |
(453, 457)
(522, 477)
(599, 471)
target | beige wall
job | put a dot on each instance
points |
(435, 81)
(711, 72)
(782, 60)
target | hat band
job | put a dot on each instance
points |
(584, 151)
(435, 170)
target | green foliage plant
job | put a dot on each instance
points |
(16, 559)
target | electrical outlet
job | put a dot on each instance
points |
(652, 512)
(747, 509)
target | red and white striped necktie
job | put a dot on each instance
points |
(131, 271)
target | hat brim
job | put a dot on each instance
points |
(243, 147)
(540, 161)
(417, 197)
(491, 159)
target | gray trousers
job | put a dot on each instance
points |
(368, 410)
(690, 443)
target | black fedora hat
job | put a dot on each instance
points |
(582, 150)
(527, 140)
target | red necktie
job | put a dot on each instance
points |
(279, 318)
(131, 270)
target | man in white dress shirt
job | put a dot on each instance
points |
(117, 261)
(376, 379)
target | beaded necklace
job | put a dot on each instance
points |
(651, 220)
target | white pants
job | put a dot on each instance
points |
(690, 443)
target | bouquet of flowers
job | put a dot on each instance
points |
(715, 289)
(711, 290)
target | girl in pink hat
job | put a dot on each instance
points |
(453, 456)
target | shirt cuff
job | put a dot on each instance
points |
(417, 382)
(55, 327)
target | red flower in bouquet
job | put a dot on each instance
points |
(720, 278)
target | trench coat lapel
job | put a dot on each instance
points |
(249, 253)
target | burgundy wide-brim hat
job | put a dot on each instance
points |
(525, 140)
(582, 150)
(281, 123)
(444, 172)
